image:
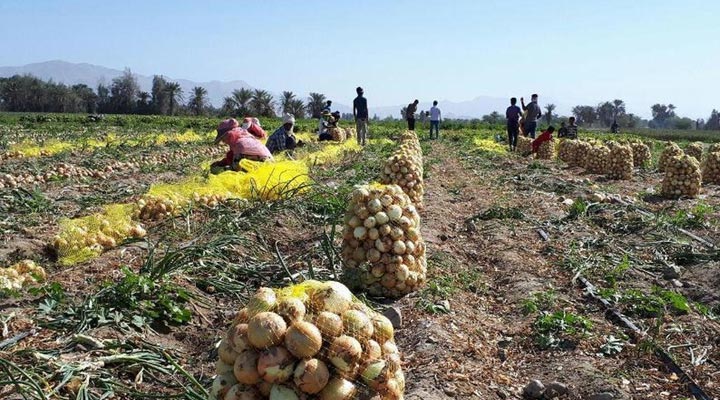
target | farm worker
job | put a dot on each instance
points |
(328, 104)
(242, 145)
(533, 114)
(568, 131)
(562, 132)
(544, 137)
(324, 126)
(283, 138)
(252, 125)
(361, 113)
(614, 127)
(513, 114)
(410, 114)
(435, 118)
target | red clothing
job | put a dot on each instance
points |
(242, 143)
(544, 137)
(254, 128)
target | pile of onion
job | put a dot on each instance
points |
(546, 151)
(349, 132)
(338, 134)
(524, 145)
(383, 251)
(671, 150)
(682, 177)
(405, 168)
(641, 154)
(620, 161)
(20, 274)
(695, 149)
(597, 160)
(711, 168)
(310, 340)
(568, 151)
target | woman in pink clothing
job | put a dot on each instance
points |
(242, 145)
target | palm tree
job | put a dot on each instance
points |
(315, 104)
(262, 104)
(175, 96)
(198, 100)
(618, 108)
(296, 108)
(549, 108)
(285, 101)
(238, 103)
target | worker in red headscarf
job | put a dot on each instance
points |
(252, 125)
(242, 145)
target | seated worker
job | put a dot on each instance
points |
(563, 131)
(284, 138)
(242, 145)
(544, 137)
(571, 129)
(334, 119)
(324, 127)
(252, 125)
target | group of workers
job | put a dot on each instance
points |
(524, 121)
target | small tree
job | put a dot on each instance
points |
(296, 108)
(262, 104)
(549, 108)
(174, 95)
(315, 104)
(198, 100)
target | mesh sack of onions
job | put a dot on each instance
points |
(338, 134)
(671, 150)
(598, 159)
(714, 148)
(583, 152)
(382, 249)
(546, 151)
(568, 151)
(620, 161)
(711, 168)
(312, 340)
(695, 149)
(641, 154)
(405, 170)
(682, 177)
(524, 145)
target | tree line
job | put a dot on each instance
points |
(26, 93)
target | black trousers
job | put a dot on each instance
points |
(513, 131)
(411, 124)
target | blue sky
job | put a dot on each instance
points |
(574, 52)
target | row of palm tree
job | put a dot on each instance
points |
(261, 103)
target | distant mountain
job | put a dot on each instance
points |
(92, 75)
(475, 108)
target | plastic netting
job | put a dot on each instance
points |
(309, 339)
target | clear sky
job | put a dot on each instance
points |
(574, 52)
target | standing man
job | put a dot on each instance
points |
(513, 114)
(360, 112)
(328, 105)
(533, 114)
(410, 114)
(435, 118)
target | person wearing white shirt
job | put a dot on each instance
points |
(435, 118)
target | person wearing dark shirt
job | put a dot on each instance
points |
(512, 114)
(614, 127)
(571, 128)
(533, 114)
(360, 112)
(563, 131)
(328, 105)
(410, 114)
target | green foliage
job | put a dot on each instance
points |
(578, 208)
(560, 329)
(654, 304)
(539, 301)
(696, 217)
(612, 276)
(612, 346)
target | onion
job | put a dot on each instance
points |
(369, 222)
(311, 375)
(394, 212)
(338, 389)
(303, 339)
(242, 316)
(263, 300)
(357, 324)
(399, 247)
(374, 205)
(222, 384)
(237, 336)
(245, 368)
(282, 392)
(292, 309)
(371, 350)
(221, 367)
(373, 234)
(383, 329)
(334, 297)
(266, 329)
(330, 324)
(226, 352)
(240, 392)
(360, 232)
(344, 353)
(275, 364)
(264, 388)
(374, 373)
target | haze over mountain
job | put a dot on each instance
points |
(92, 75)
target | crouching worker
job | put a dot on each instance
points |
(284, 138)
(243, 145)
(544, 137)
(324, 126)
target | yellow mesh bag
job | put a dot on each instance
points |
(309, 339)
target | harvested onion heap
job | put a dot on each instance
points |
(641, 154)
(714, 148)
(382, 247)
(157, 208)
(338, 134)
(620, 161)
(671, 150)
(682, 177)
(524, 145)
(568, 151)
(598, 159)
(349, 132)
(695, 149)
(546, 151)
(711, 168)
(405, 168)
(310, 340)
(20, 274)
(583, 153)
